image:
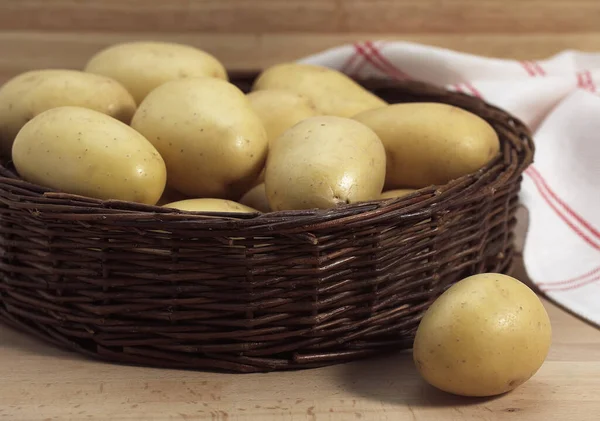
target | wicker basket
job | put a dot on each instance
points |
(147, 285)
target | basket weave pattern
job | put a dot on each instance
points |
(147, 285)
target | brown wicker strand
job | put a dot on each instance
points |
(138, 284)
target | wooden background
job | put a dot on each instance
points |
(249, 34)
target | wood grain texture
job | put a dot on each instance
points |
(40, 382)
(20, 51)
(316, 16)
(251, 34)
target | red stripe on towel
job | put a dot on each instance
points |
(580, 81)
(589, 82)
(587, 225)
(569, 281)
(538, 68)
(546, 196)
(575, 286)
(585, 81)
(386, 64)
(349, 63)
(473, 89)
(458, 88)
(366, 55)
(528, 68)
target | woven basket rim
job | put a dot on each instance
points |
(140, 284)
(424, 200)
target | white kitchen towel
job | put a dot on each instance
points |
(558, 98)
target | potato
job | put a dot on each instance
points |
(430, 143)
(81, 151)
(210, 205)
(30, 93)
(256, 198)
(484, 336)
(322, 162)
(142, 66)
(260, 179)
(279, 110)
(212, 141)
(332, 92)
(392, 194)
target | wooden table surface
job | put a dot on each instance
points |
(251, 34)
(39, 382)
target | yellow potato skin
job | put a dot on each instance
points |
(279, 110)
(484, 336)
(392, 194)
(213, 143)
(143, 65)
(31, 93)
(261, 178)
(430, 143)
(80, 151)
(256, 198)
(332, 92)
(323, 162)
(210, 205)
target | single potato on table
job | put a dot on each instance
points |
(81, 151)
(31, 93)
(213, 143)
(142, 66)
(210, 205)
(430, 143)
(323, 162)
(332, 92)
(484, 336)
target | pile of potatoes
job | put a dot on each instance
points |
(159, 123)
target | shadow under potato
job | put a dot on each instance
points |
(394, 379)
